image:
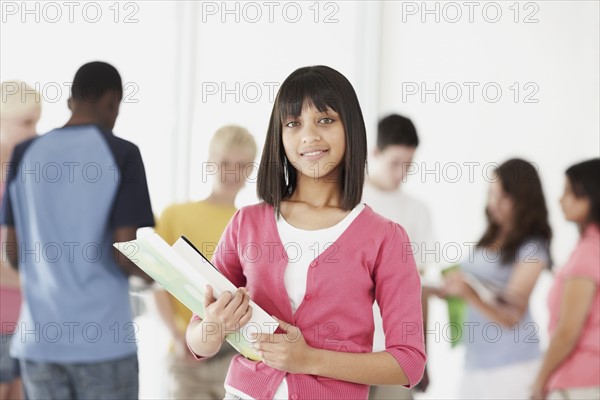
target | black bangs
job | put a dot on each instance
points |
(310, 87)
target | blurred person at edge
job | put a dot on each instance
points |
(397, 142)
(571, 366)
(232, 151)
(20, 112)
(53, 199)
(502, 345)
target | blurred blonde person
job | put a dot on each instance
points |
(20, 111)
(231, 155)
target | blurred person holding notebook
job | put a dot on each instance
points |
(500, 335)
(232, 151)
(20, 112)
(397, 142)
(571, 366)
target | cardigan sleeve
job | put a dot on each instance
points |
(398, 293)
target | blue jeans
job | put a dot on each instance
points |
(115, 379)
(9, 367)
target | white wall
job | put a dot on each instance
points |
(138, 38)
(240, 64)
(558, 54)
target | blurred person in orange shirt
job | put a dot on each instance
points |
(231, 155)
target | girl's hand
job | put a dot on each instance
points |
(538, 392)
(456, 286)
(286, 352)
(226, 314)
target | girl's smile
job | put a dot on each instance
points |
(314, 155)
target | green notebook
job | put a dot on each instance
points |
(184, 272)
(457, 308)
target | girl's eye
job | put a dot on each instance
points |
(326, 120)
(292, 124)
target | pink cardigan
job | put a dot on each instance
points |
(371, 260)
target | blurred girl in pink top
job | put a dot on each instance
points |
(20, 111)
(571, 367)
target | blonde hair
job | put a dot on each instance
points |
(18, 98)
(232, 136)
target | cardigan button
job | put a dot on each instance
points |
(294, 396)
(313, 264)
(308, 296)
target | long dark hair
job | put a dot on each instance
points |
(521, 182)
(584, 178)
(324, 88)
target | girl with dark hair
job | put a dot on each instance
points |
(316, 258)
(499, 333)
(571, 366)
